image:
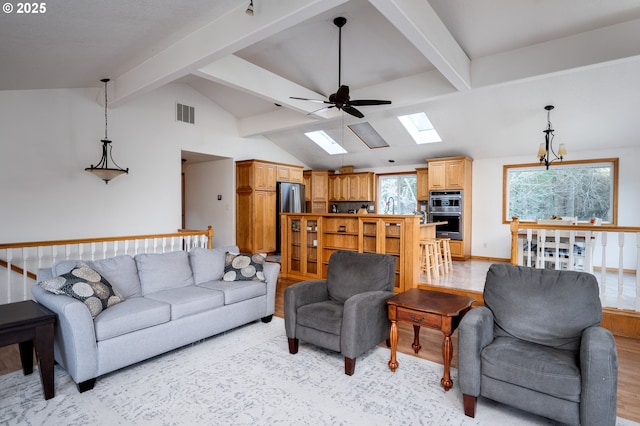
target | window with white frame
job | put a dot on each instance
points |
(397, 194)
(582, 189)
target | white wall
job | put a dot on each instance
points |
(204, 182)
(491, 238)
(50, 136)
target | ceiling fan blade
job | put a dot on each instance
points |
(351, 110)
(321, 109)
(310, 100)
(365, 102)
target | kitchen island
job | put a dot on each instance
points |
(309, 239)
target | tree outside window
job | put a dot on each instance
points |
(397, 194)
(585, 190)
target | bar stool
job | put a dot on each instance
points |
(445, 250)
(430, 258)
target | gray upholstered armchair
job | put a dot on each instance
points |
(346, 312)
(537, 345)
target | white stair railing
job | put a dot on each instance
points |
(21, 261)
(578, 247)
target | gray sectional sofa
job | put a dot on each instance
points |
(169, 300)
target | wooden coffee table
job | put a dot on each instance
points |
(27, 323)
(432, 309)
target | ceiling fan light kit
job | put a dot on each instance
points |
(341, 99)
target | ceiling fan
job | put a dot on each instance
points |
(341, 99)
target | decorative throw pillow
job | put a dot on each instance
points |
(86, 285)
(243, 267)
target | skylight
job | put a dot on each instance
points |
(325, 142)
(368, 135)
(420, 128)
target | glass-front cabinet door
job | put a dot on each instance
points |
(394, 246)
(311, 247)
(303, 245)
(294, 241)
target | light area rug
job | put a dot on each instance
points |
(247, 377)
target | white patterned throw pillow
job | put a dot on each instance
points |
(243, 267)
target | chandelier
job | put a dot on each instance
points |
(545, 150)
(102, 169)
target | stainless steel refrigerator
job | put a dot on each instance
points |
(289, 199)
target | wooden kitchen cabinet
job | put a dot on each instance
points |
(286, 173)
(454, 174)
(422, 190)
(256, 203)
(449, 173)
(256, 221)
(265, 221)
(352, 187)
(255, 175)
(309, 240)
(317, 190)
(301, 242)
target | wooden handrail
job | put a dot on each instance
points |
(17, 269)
(515, 226)
(181, 232)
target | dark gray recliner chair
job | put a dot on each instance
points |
(346, 312)
(537, 345)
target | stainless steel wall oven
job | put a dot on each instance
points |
(446, 206)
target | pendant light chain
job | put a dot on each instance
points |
(105, 81)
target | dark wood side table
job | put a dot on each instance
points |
(28, 323)
(432, 309)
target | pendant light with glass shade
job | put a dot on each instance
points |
(545, 150)
(102, 169)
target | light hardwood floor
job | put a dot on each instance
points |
(466, 275)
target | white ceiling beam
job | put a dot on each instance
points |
(420, 24)
(281, 119)
(411, 90)
(216, 40)
(580, 51)
(242, 75)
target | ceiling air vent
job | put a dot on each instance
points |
(185, 113)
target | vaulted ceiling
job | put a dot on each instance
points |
(482, 71)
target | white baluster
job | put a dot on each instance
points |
(637, 304)
(126, 247)
(603, 268)
(67, 251)
(572, 241)
(25, 291)
(542, 237)
(620, 269)
(588, 262)
(115, 248)
(39, 256)
(104, 249)
(9, 259)
(93, 251)
(556, 234)
(529, 238)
